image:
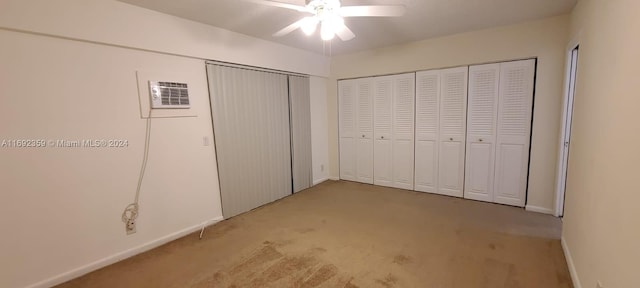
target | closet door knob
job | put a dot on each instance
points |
(450, 139)
(382, 137)
(362, 135)
(480, 139)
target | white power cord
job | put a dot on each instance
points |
(130, 213)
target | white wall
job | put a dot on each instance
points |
(63, 205)
(319, 129)
(544, 39)
(117, 23)
(601, 228)
(68, 71)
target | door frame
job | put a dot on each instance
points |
(571, 74)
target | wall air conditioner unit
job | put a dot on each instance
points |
(169, 95)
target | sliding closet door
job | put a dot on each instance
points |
(347, 128)
(253, 146)
(300, 103)
(481, 131)
(427, 111)
(453, 112)
(514, 131)
(364, 142)
(403, 130)
(383, 122)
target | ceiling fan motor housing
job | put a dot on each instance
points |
(322, 7)
(330, 15)
(323, 2)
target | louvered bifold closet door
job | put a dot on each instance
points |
(347, 128)
(514, 131)
(251, 124)
(426, 136)
(300, 103)
(403, 130)
(481, 131)
(382, 131)
(453, 111)
(364, 142)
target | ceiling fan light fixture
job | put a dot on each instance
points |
(336, 22)
(326, 31)
(309, 25)
(330, 14)
(331, 25)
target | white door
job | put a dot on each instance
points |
(382, 131)
(453, 111)
(364, 136)
(514, 131)
(403, 130)
(567, 115)
(347, 128)
(426, 132)
(481, 131)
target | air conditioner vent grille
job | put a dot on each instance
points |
(169, 95)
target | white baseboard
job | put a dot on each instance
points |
(572, 267)
(75, 273)
(540, 210)
(316, 182)
(334, 178)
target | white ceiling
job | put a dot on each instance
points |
(424, 19)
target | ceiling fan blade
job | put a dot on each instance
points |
(373, 11)
(290, 28)
(280, 4)
(344, 33)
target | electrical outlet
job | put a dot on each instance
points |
(131, 227)
(599, 285)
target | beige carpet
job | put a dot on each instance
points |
(342, 234)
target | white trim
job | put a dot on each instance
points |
(82, 270)
(316, 182)
(334, 178)
(538, 209)
(572, 268)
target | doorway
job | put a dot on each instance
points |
(565, 137)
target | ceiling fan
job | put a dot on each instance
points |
(329, 15)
